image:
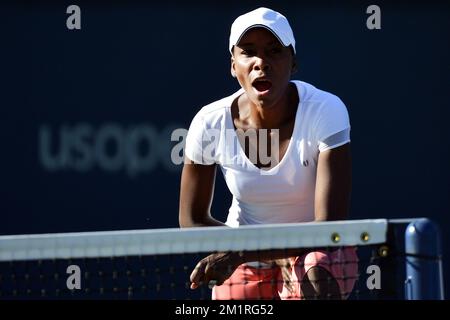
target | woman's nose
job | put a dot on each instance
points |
(261, 63)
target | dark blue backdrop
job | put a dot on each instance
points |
(86, 115)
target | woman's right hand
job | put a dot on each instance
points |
(285, 265)
(215, 268)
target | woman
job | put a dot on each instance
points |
(307, 177)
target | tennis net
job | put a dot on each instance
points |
(156, 264)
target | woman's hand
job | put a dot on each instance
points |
(216, 267)
(285, 265)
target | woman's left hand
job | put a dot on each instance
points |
(216, 268)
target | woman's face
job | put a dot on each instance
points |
(263, 66)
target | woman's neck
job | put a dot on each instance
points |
(270, 117)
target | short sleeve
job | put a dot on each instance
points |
(200, 142)
(333, 124)
(335, 140)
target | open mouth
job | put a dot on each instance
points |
(262, 85)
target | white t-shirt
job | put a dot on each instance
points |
(285, 193)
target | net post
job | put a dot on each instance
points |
(424, 277)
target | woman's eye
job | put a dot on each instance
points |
(247, 52)
(275, 50)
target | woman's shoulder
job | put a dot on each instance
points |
(313, 96)
(216, 111)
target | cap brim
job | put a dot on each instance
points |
(258, 26)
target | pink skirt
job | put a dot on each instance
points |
(247, 282)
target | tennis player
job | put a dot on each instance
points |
(283, 147)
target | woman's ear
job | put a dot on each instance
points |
(233, 73)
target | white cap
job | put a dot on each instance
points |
(266, 18)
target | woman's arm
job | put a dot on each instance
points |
(196, 194)
(333, 184)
